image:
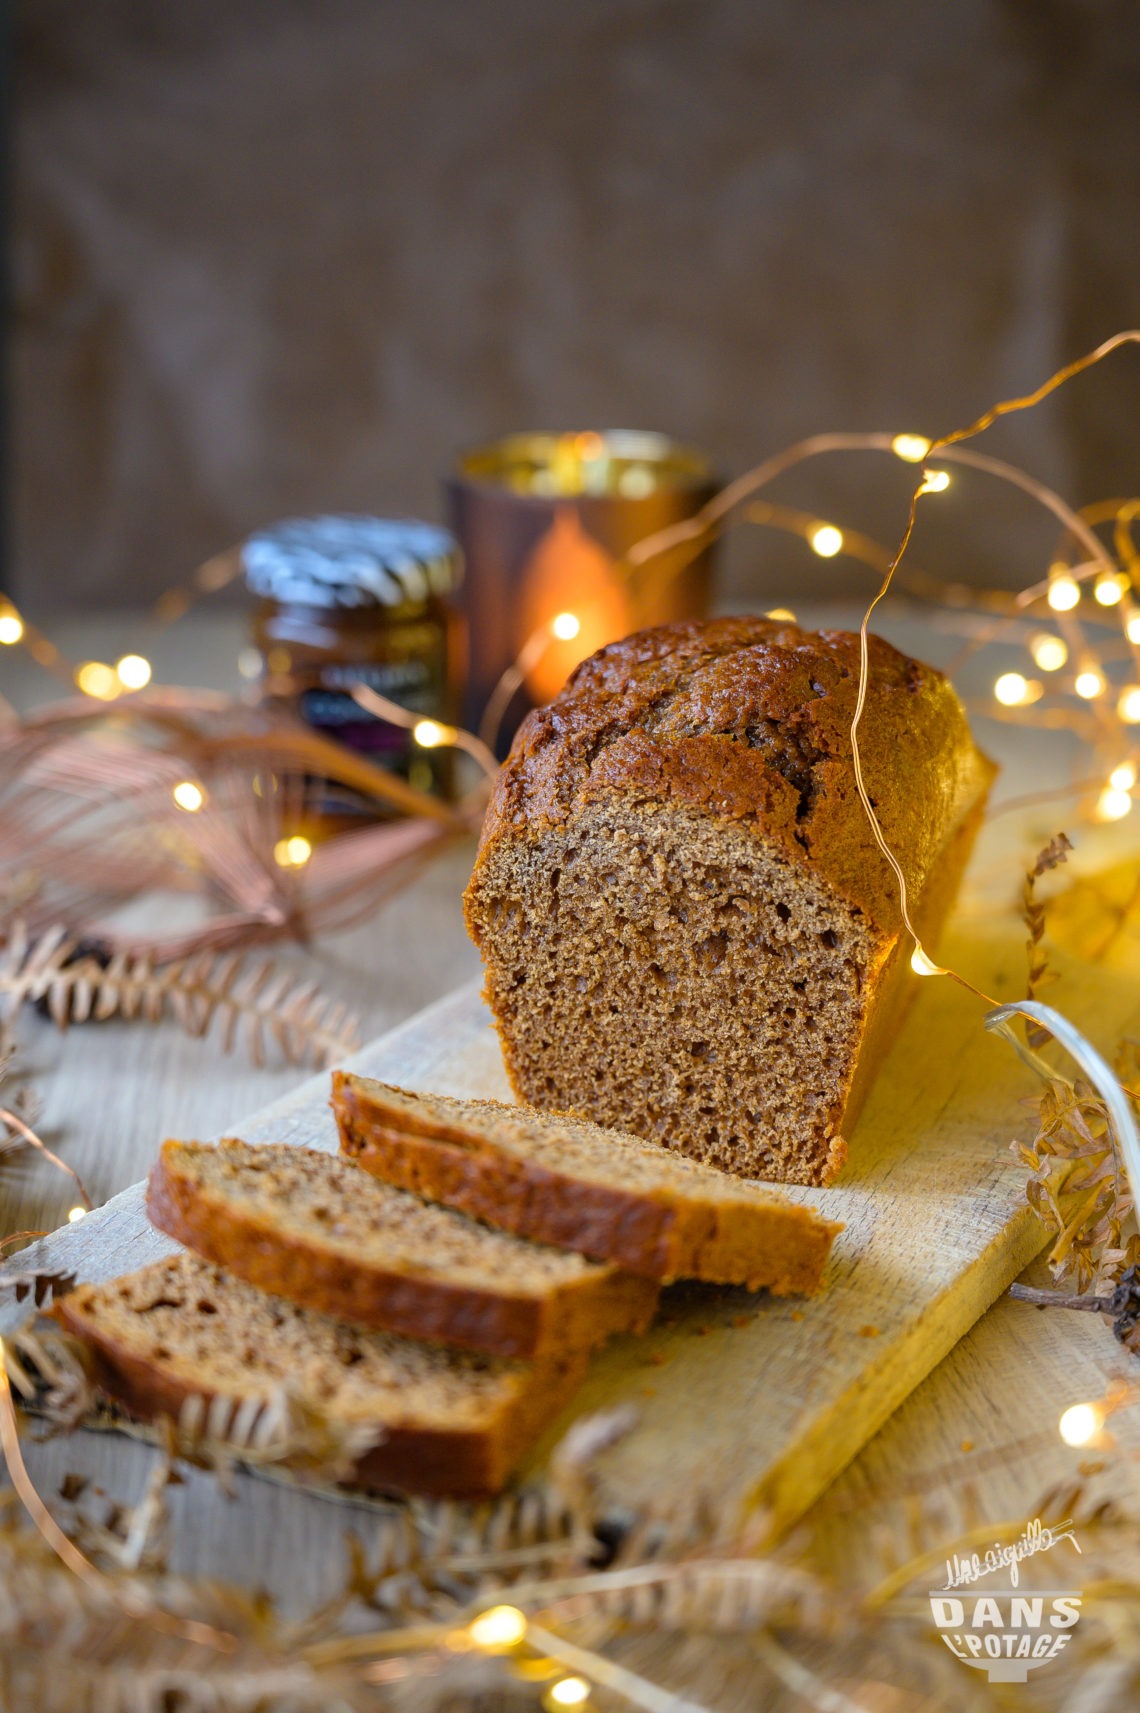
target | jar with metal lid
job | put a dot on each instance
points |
(345, 601)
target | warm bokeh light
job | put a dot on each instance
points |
(189, 796)
(1064, 594)
(249, 663)
(1089, 684)
(497, 1629)
(1113, 805)
(1011, 689)
(1080, 1424)
(826, 540)
(1128, 706)
(11, 627)
(784, 614)
(1049, 652)
(133, 672)
(1110, 588)
(96, 679)
(935, 481)
(75, 1214)
(911, 448)
(567, 1692)
(293, 852)
(429, 734)
(921, 964)
(1123, 778)
(565, 626)
(636, 482)
(1132, 628)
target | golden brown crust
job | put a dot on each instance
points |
(748, 720)
(771, 1243)
(459, 1463)
(504, 1322)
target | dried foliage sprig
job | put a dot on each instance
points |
(1077, 1189)
(264, 1430)
(1033, 910)
(252, 1002)
(36, 1284)
(94, 812)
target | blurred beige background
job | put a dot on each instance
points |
(274, 256)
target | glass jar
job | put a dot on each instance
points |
(343, 601)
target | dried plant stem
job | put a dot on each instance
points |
(1122, 1124)
(638, 1691)
(797, 1677)
(132, 1602)
(1059, 1299)
(14, 1122)
(986, 1534)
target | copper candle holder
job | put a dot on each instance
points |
(544, 521)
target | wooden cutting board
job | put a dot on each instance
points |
(757, 1403)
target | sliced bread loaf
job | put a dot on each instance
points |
(446, 1422)
(564, 1180)
(314, 1228)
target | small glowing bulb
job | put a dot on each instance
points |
(568, 1692)
(636, 482)
(935, 481)
(1080, 1424)
(1132, 628)
(1110, 588)
(1113, 805)
(784, 614)
(1064, 594)
(1049, 653)
(75, 1214)
(11, 627)
(921, 964)
(1011, 689)
(1128, 706)
(1123, 778)
(826, 540)
(97, 680)
(189, 796)
(911, 448)
(499, 1628)
(565, 626)
(133, 672)
(429, 734)
(293, 852)
(1088, 685)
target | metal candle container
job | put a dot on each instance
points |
(544, 521)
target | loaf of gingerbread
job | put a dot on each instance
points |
(688, 929)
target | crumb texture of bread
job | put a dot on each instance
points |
(446, 1422)
(565, 1180)
(311, 1227)
(687, 927)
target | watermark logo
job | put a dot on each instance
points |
(1006, 1632)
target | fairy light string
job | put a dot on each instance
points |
(1067, 516)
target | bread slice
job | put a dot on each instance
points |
(564, 1180)
(315, 1229)
(447, 1422)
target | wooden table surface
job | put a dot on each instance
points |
(985, 1421)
